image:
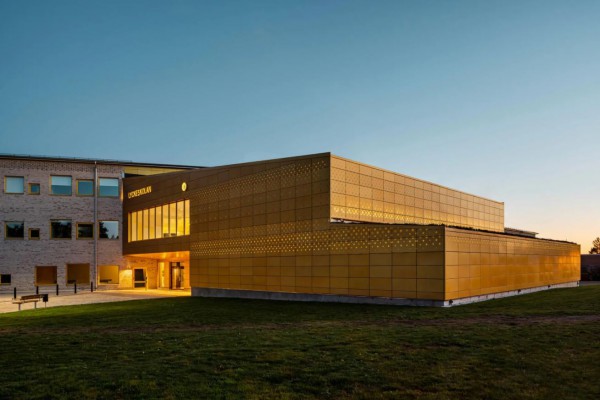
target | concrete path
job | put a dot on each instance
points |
(103, 296)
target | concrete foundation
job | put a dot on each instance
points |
(328, 298)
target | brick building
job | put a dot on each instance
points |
(61, 221)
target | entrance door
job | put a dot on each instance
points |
(139, 278)
(176, 275)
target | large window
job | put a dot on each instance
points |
(85, 230)
(14, 230)
(108, 274)
(45, 276)
(14, 184)
(60, 229)
(85, 187)
(78, 273)
(108, 229)
(109, 187)
(159, 222)
(61, 185)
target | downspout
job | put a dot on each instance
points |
(96, 228)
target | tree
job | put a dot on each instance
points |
(596, 246)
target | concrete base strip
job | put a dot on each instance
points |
(332, 298)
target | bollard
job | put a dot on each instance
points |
(92, 287)
(37, 290)
(57, 289)
(15, 293)
(75, 286)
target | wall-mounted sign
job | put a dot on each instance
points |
(139, 192)
(183, 187)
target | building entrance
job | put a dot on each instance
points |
(139, 278)
(176, 275)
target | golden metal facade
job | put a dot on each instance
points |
(364, 193)
(478, 263)
(267, 226)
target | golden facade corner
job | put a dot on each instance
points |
(325, 225)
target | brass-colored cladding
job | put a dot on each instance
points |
(268, 226)
(361, 192)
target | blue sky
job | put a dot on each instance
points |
(496, 98)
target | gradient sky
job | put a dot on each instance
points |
(496, 98)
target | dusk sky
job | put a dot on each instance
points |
(496, 98)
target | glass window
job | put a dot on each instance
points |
(4, 279)
(108, 274)
(172, 219)
(152, 229)
(108, 229)
(139, 224)
(85, 230)
(34, 233)
(109, 187)
(129, 237)
(45, 276)
(85, 187)
(159, 222)
(180, 224)
(145, 224)
(61, 185)
(187, 217)
(34, 188)
(14, 184)
(60, 229)
(165, 224)
(14, 230)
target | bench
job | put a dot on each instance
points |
(30, 298)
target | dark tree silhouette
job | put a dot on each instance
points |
(595, 246)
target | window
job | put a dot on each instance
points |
(4, 279)
(34, 233)
(108, 274)
(109, 187)
(61, 185)
(85, 187)
(164, 221)
(85, 230)
(34, 188)
(14, 184)
(14, 230)
(45, 276)
(108, 229)
(60, 229)
(78, 273)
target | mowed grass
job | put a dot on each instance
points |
(539, 346)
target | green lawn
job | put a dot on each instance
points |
(544, 345)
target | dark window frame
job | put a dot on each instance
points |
(78, 237)
(6, 230)
(61, 238)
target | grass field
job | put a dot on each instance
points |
(543, 346)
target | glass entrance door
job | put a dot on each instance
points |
(176, 275)
(139, 278)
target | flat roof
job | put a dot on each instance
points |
(92, 161)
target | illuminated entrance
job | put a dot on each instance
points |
(171, 271)
(177, 276)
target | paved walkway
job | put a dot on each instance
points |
(103, 296)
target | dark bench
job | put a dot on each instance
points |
(31, 298)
